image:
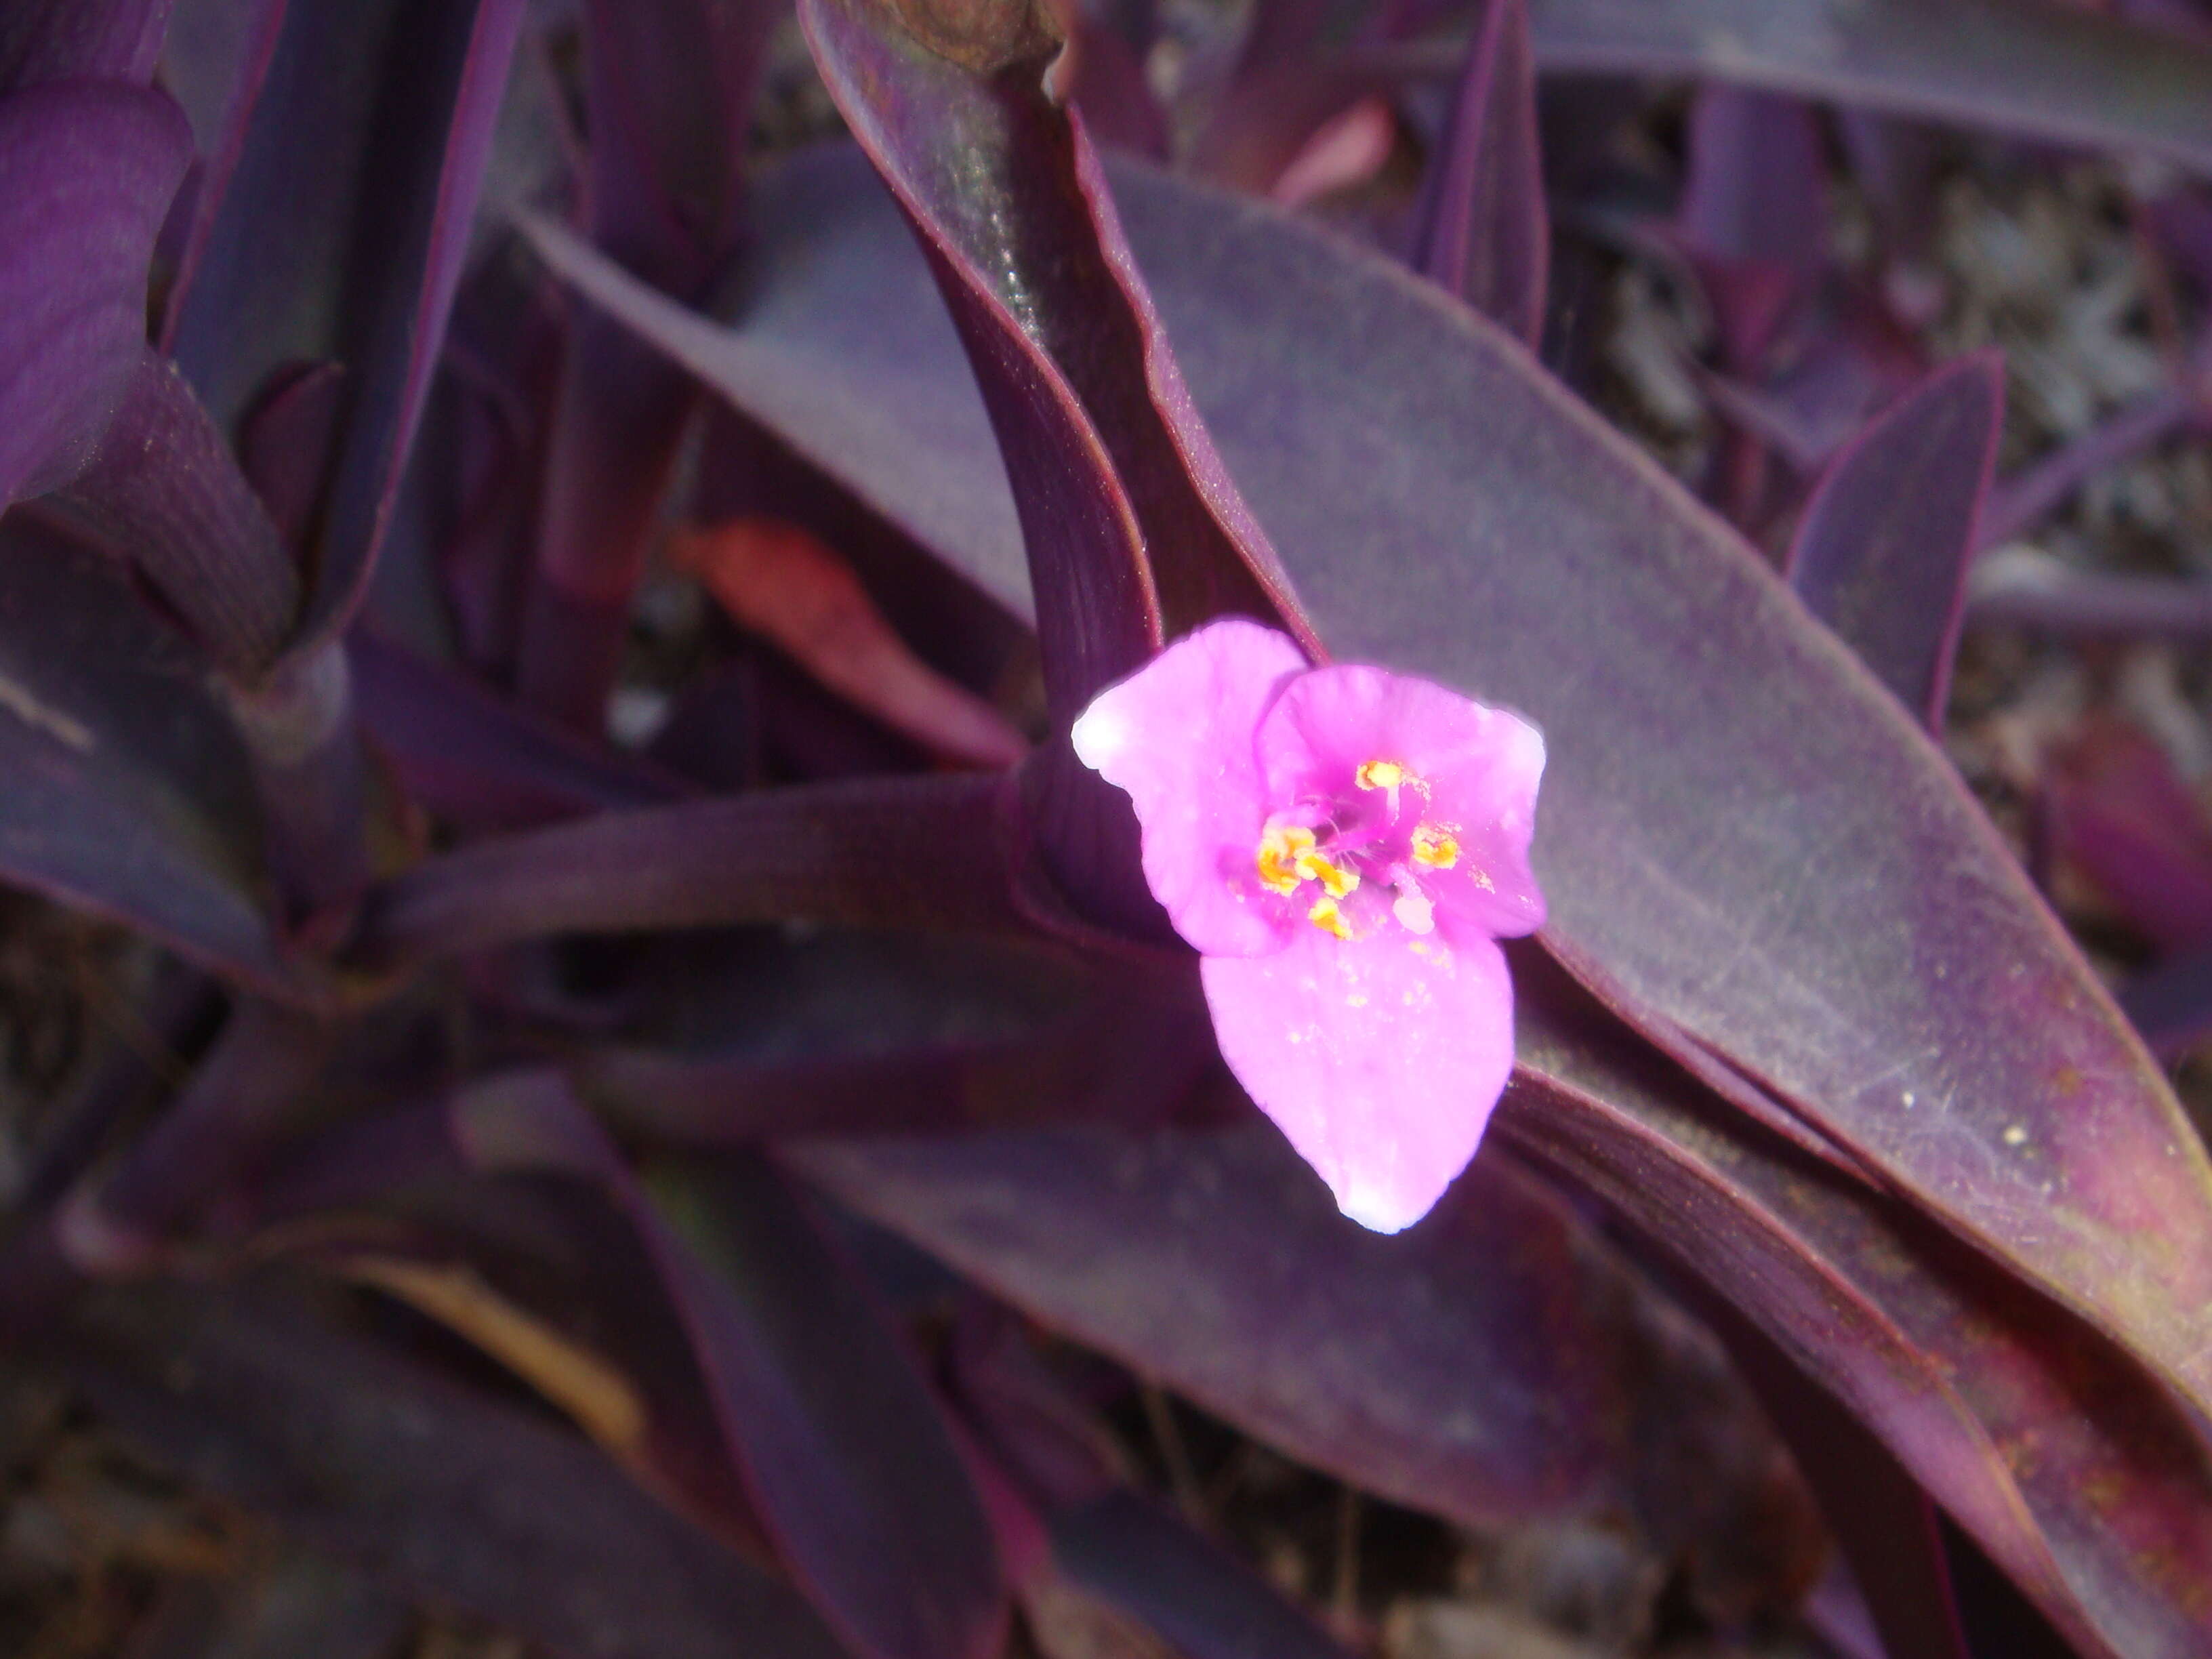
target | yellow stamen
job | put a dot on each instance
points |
(1335, 880)
(1379, 775)
(1283, 849)
(1435, 846)
(1325, 916)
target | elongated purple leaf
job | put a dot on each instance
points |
(916, 460)
(80, 39)
(87, 170)
(1887, 1529)
(1752, 838)
(466, 1501)
(1205, 1602)
(368, 127)
(471, 756)
(2018, 66)
(670, 94)
(1958, 1369)
(1754, 191)
(935, 1037)
(475, 1209)
(1882, 551)
(1752, 215)
(127, 791)
(2023, 498)
(2172, 1004)
(856, 1475)
(2033, 590)
(1215, 1263)
(896, 852)
(849, 1462)
(1481, 230)
(1108, 85)
(759, 1360)
(161, 490)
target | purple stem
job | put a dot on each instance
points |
(310, 773)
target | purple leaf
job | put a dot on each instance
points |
(127, 791)
(2117, 812)
(177, 1008)
(1887, 1528)
(468, 756)
(757, 1353)
(1214, 1262)
(886, 1036)
(87, 171)
(1395, 488)
(1952, 1363)
(1881, 553)
(80, 39)
(1897, 164)
(885, 852)
(2172, 1004)
(1753, 212)
(161, 490)
(670, 94)
(1481, 230)
(2023, 498)
(285, 443)
(1756, 181)
(467, 1501)
(239, 1102)
(366, 126)
(1263, 124)
(2033, 590)
(924, 458)
(1107, 86)
(2037, 71)
(856, 1474)
(482, 1213)
(1205, 1602)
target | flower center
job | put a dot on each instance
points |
(1356, 859)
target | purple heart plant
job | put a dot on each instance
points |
(687, 666)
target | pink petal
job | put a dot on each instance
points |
(1481, 766)
(1178, 735)
(1379, 1058)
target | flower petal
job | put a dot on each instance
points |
(1380, 1058)
(1479, 767)
(1178, 735)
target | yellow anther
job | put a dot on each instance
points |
(1435, 847)
(1325, 916)
(1335, 880)
(1282, 848)
(1379, 775)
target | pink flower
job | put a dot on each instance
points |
(1344, 846)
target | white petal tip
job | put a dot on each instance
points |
(1377, 1210)
(1099, 733)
